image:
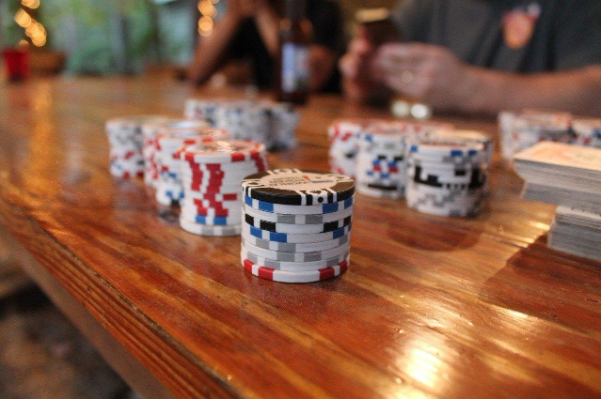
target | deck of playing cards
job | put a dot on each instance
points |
(568, 176)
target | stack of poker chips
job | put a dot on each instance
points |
(171, 137)
(447, 174)
(520, 131)
(126, 142)
(149, 132)
(381, 161)
(203, 109)
(273, 124)
(212, 172)
(296, 225)
(587, 132)
(342, 144)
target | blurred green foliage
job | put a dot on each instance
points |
(109, 36)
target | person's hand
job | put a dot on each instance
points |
(356, 68)
(428, 73)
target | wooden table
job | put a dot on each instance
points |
(431, 307)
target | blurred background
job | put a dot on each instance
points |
(105, 37)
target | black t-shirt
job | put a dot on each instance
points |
(327, 23)
(508, 35)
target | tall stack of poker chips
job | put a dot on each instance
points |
(171, 137)
(212, 172)
(126, 141)
(447, 175)
(296, 225)
(273, 124)
(381, 161)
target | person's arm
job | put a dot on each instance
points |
(577, 91)
(210, 50)
(268, 23)
(432, 74)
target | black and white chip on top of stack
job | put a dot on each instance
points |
(296, 225)
(447, 172)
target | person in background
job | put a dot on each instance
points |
(480, 56)
(249, 30)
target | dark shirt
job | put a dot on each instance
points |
(327, 23)
(556, 35)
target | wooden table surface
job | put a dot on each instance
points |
(431, 307)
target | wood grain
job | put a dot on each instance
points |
(431, 307)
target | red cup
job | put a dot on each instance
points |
(17, 63)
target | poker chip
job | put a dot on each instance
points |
(296, 224)
(171, 136)
(293, 266)
(295, 247)
(208, 230)
(297, 209)
(126, 145)
(307, 228)
(211, 175)
(296, 187)
(447, 172)
(297, 219)
(272, 124)
(296, 257)
(295, 277)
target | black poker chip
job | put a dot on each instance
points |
(297, 187)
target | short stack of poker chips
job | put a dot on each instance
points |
(273, 124)
(126, 142)
(381, 161)
(519, 131)
(171, 137)
(212, 172)
(447, 174)
(587, 132)
(296, 225)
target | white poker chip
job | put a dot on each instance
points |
(296, 228)
(292, 266)
(226, 151)
(295, 277)
(205, 230)
(297, 219)
(295, 247)
(296, 257)
(295, 238)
